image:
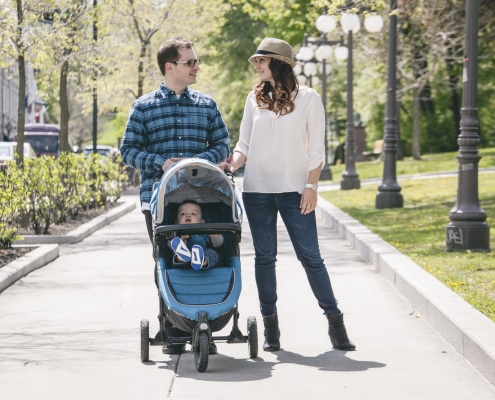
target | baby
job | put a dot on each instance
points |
(195, 248)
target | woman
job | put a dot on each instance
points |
(281, 142)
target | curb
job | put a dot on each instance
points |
(19, 268)
(47, 248)
(83, 231)
(468, 330)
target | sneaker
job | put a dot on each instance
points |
(180, 249)
(198, 257)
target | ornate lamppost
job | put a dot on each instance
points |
(351, 25)
(467, 229)
(389, 195)
(95, 79)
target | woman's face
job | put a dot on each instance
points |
(261, 65)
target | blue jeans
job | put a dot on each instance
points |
(261, 211)
(211, 255)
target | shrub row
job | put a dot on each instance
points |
(46, 191)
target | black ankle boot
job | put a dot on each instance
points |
(338, 333)
(272, 333)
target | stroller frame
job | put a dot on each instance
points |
(184, 297)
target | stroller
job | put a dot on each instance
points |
(198, 302)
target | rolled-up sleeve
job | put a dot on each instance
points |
(218, 148)
(134, 144)
(316, 133)
(246, 126)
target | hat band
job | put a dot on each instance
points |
(265, 52)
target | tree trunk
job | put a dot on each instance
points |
(21, 107)
(141, 69)
(64, 108)
(415, 134)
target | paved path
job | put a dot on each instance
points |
(70, 330)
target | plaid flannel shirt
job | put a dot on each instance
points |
(162, 126)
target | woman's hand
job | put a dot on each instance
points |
(225, 166)
(309, 199)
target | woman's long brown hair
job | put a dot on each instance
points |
(285, 83)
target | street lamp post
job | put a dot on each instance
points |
(350, 176)
(467, 229)
(95, 80)
(351, 25)
(389, 195)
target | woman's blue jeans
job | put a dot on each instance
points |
(261, 211)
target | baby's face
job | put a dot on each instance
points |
(189, 213)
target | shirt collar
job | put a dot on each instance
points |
(166, 92)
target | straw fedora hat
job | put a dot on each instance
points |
(274, 48)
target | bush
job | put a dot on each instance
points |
(13, 197)
(46, 190)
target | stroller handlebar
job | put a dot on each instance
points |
(197, 229)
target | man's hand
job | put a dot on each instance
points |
(171, 161)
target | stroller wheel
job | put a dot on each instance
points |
(145, 339)
(202, 352)
(252, 333)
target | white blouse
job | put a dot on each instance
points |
(281, 150)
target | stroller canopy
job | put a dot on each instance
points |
(194, 179)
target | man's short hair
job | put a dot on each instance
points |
(169, 51)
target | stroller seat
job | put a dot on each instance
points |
(191, 287)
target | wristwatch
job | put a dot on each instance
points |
(313, 186)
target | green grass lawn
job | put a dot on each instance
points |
(428, 163)
(418, 229)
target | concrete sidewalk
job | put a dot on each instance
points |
(71, 329)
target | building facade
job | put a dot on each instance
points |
(34, 107)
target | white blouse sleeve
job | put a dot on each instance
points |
(316, 133)
(246, 126)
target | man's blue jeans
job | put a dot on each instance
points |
(261, 211)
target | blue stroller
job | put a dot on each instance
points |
(198, 302)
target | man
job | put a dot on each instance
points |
(171, 123)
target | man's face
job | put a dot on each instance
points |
(182, 73)
(189, 213)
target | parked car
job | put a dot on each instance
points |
(102, 149)
(8, 150)
(45, 138)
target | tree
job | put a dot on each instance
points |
(16, 18)
(66, 21)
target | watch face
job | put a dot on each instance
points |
(314, 187)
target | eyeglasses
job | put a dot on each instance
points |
(189, 63)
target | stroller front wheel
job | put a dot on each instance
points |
(202, 352)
